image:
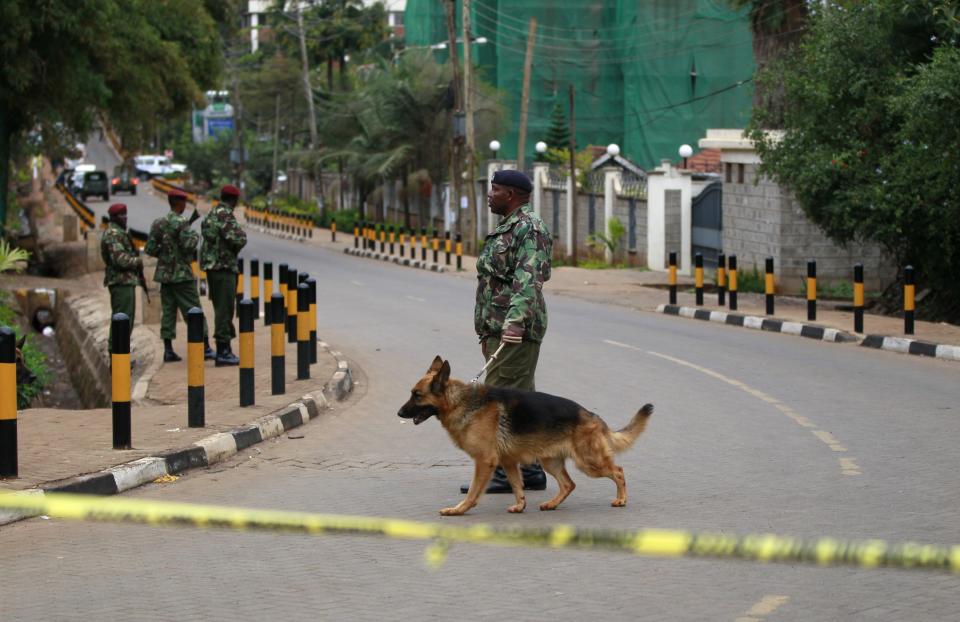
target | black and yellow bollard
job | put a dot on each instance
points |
(303, 331)
(292, 283)
(282, 281)
(909, 300)
(672, 277)
(267, 290)
(459, 252)
(768, 284)
(310, 226)
(8, 402)
(446, 246)
(413, 243)
(255, 287)
(403, 241)
(277, 359)
(356, 236)
(732, 281)
(120, 380)
(312, 284)
(383, 237)
(392, 247)
(196, 415)
(239, 279)
(423, 243)
(721, 279)
(698, 279)
(246, 352)
(811, 290)
(435, 243)
(858, 298)
(333, 229)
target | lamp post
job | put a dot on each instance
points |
(494, 147)
(613, 150)
(685, 152)
(541, 148)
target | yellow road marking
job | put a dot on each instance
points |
(825, 437)
(766, 606)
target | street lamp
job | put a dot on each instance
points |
(613, 150)
(494, 147)
(541, 148)
(685, 152)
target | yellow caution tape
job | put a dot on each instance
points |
(647, 542)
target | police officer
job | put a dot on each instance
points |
(174, 244)
(222, 241)
(510, 310)
(123, 265)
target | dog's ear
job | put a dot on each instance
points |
(439, 382)
(20, 343)
(437, 364)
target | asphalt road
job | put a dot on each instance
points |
(753, 432)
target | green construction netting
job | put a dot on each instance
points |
(649, 75)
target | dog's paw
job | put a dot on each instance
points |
(618, 503)
(516, 509)
(547, 506)
(454, 511)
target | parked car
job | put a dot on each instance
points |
(95, 183)
(124, 180)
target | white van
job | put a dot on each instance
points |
(152, 165)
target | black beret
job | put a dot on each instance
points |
(516, 179)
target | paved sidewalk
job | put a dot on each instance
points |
(646, 290)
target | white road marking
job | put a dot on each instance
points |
(357, 283)
(415, 298)
(766, 606)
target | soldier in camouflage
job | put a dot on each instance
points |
(174, 244)
(223, 238)
(510, 310)
(123, 265)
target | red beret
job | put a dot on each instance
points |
(117, 208)
(229, 191)
(177, 194)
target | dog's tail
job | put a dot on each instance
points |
(623, 439)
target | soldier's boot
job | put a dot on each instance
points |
(169, 356)
(208, 353)
(225, 356)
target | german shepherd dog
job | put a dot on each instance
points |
(510, 427)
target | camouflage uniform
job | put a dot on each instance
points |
(122, 263)
(511, 271)
(174, 244)
(223, 238)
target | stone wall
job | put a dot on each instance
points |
(672, 223)
(762, 220)
(621, 209)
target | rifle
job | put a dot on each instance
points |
(137, 240)
(143, 282)
(194, 216)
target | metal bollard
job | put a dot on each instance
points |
(435, 243)
(403, 240)
(391, 234)
(267, 290)
(196, 415)
(383, 237)
(721, 279)
(303, 332)
(768, 285)
(446, 246)
(909, 300)
(255, 287)
(811, 290)
(8, 402)
(239, 279)
(277, 358)
(120, 380)
(292, 305)
(356, 236)
(459, 252)
(413, 243)
(423, 243)
(858, 298)
(732, 278)
(282, 280)
(312, 284)
(247, 308)
(672, 277)
(698, 278)
(333, 229)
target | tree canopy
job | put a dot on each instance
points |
(869, 145)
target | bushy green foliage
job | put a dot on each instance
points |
(612, 239)
(34, 359)
(12, 258)
(869, 146)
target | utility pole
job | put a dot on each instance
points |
(471, 234)
(276, 141)
(573, 178)
(308, 92)
(525, 98)
(450, 7)
(238, 125)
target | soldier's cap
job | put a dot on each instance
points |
(229, 191)
(176, 195)
(514, 179)
(117, 208)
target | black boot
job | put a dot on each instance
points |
(225, 356)
(533, 479)
(208, 353)
(169, 356)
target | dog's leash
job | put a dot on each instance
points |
(492, 358)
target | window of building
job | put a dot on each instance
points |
(728, 172)
(740, 168)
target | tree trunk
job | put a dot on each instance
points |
(405, 189)
(6, 132)
(771, 40)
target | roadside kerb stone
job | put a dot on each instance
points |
(905, 345)
(400, 261)
(812, 331)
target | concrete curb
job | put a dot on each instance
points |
(205, 452)
(400, 261)
(280, 234)
(811, 331)
(912, 346)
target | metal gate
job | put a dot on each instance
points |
(707, 235)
